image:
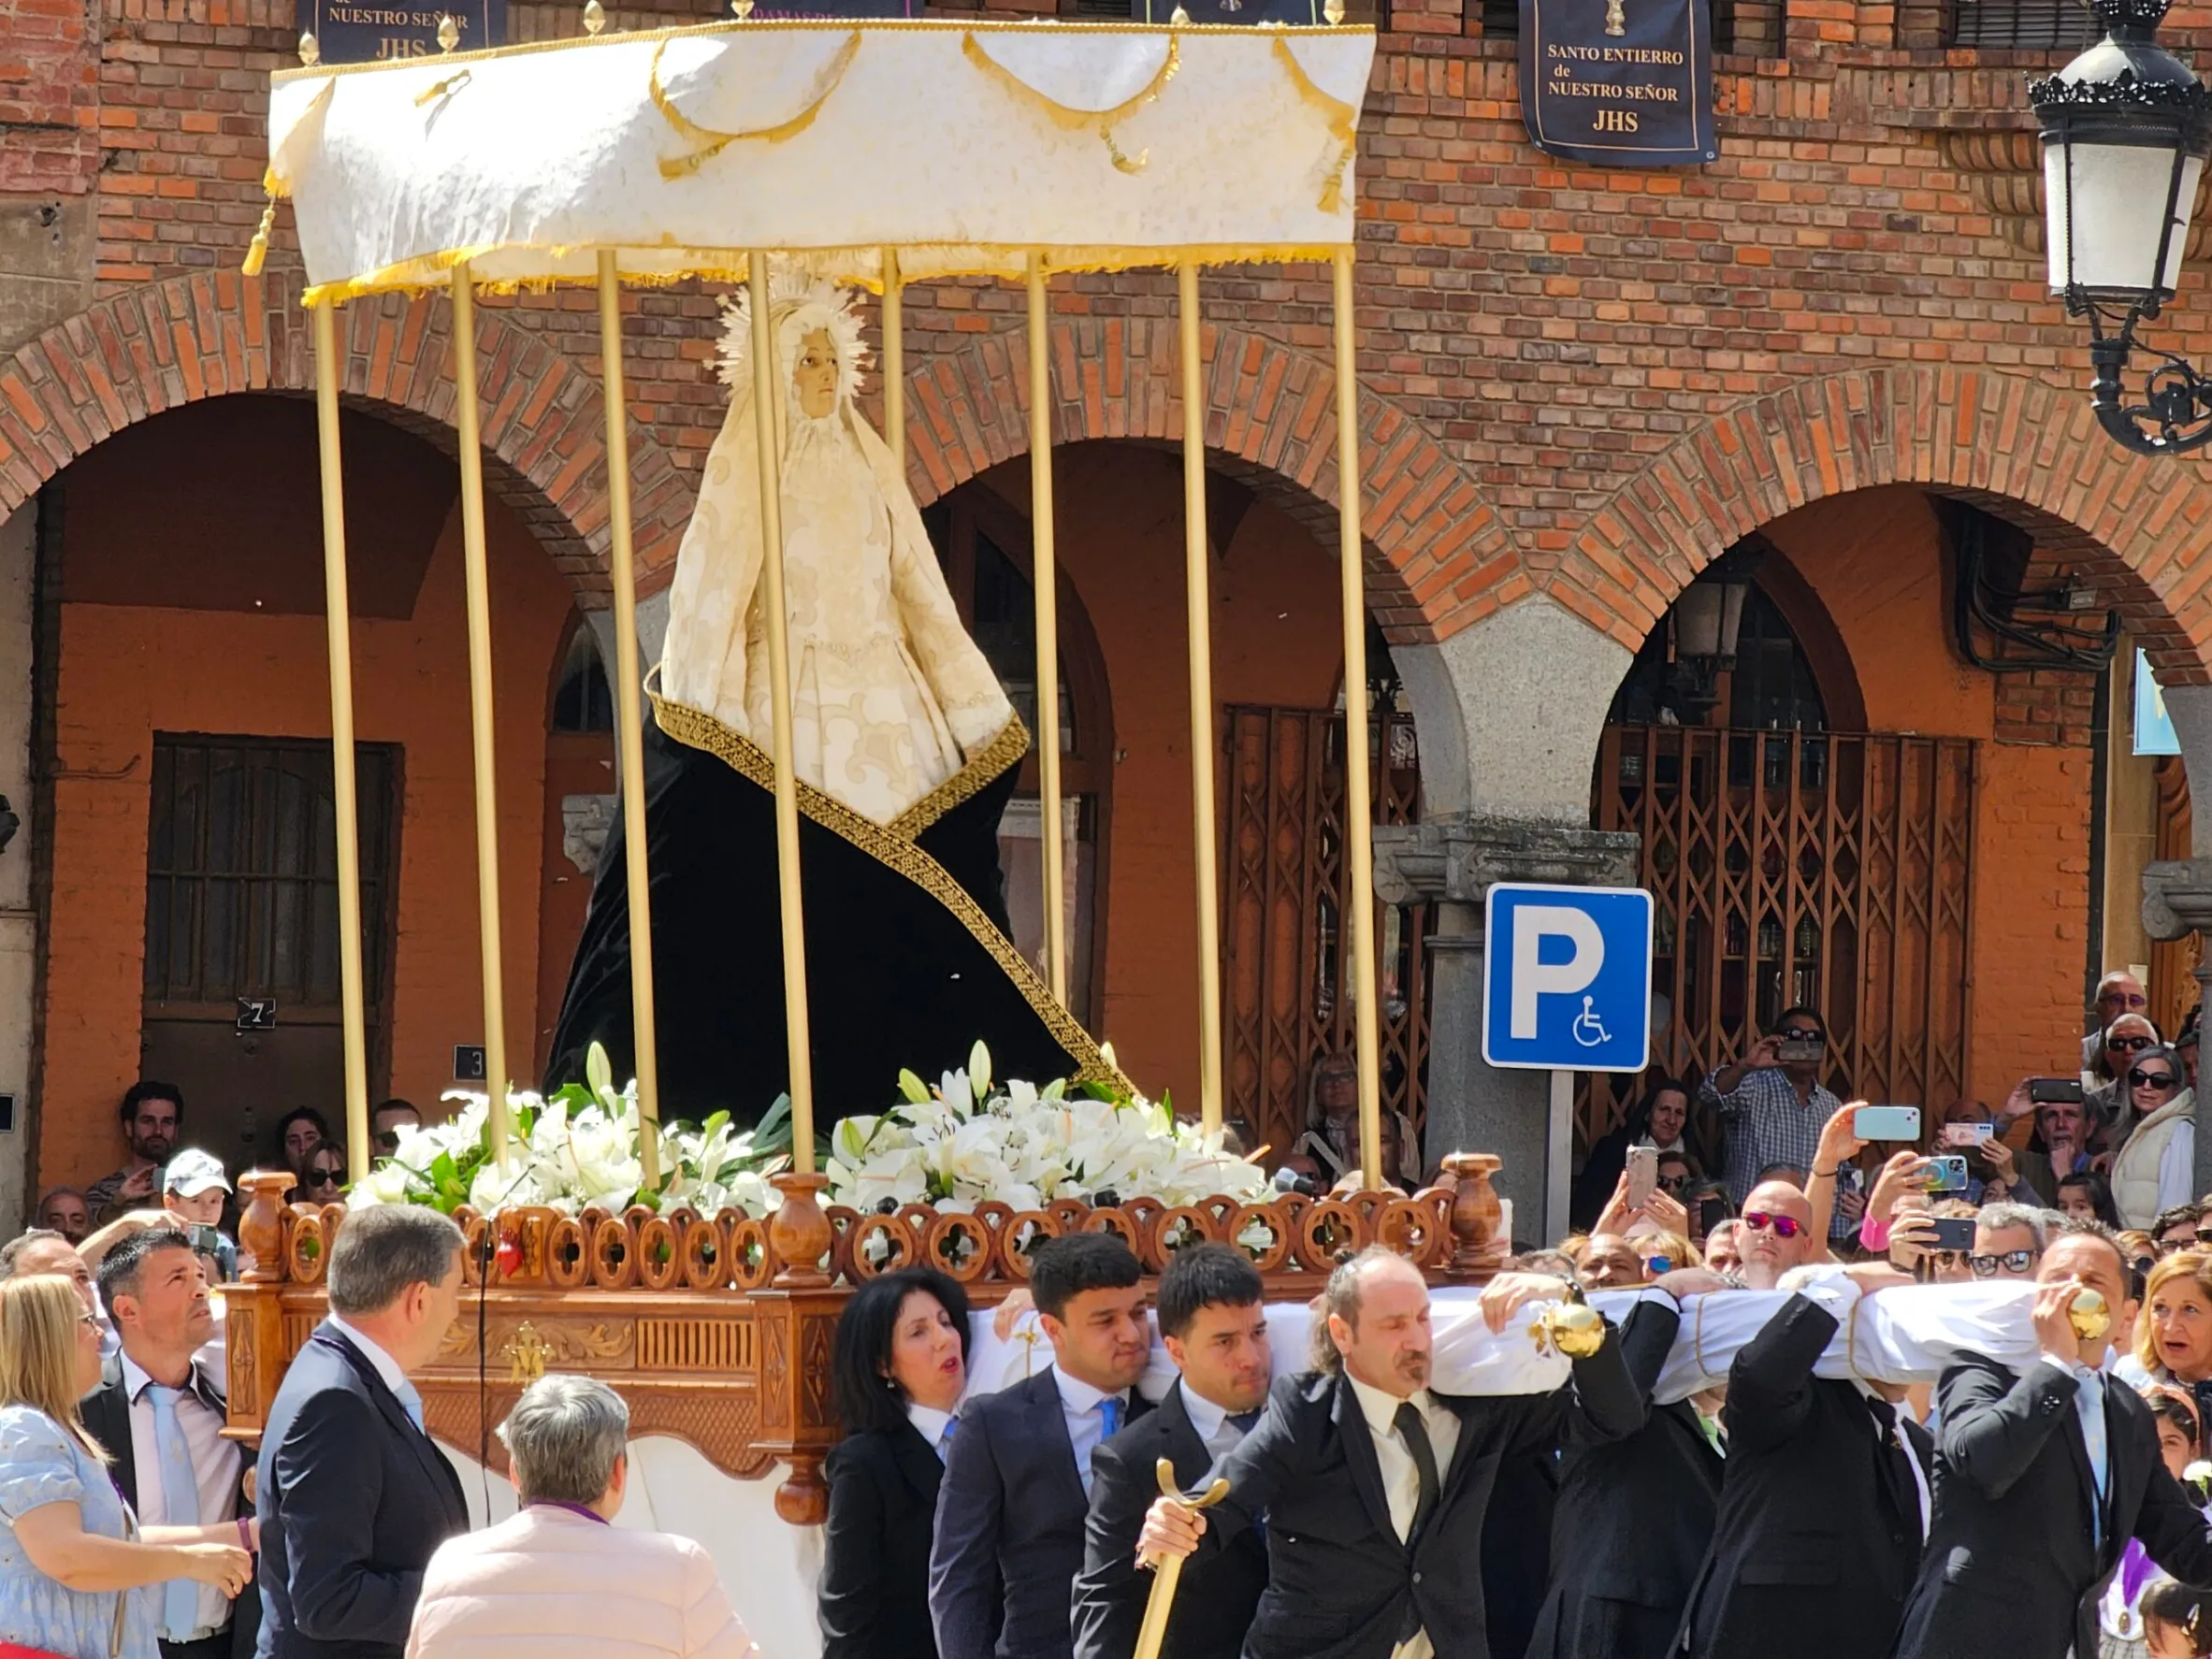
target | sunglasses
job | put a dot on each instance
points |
(324, 1178)
(1782, 1226)
(1673, 1183)
(2120, 999)
(2140, 1078)
(2012, 1261)
(2128, 1044)
(1803, 1034)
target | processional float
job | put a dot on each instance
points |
(880, 154)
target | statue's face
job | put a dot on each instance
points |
(817, 374)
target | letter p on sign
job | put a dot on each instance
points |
(1533, 976)
(1567, 978)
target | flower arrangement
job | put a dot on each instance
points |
(970, 1139)
(579, 1148)
(967, 1140)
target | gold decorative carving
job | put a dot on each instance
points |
(526, 1353)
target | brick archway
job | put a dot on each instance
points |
(2019, 448)
(138, 353)
(1438, 555)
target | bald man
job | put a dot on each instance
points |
(1775, 1234)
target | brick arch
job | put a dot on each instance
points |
(2019, 448)
(1438, 555)
(140, 352)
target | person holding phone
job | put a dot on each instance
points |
(1772, 1103)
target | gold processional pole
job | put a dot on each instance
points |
(1167, 1570)
(894, 360)
(1200, 626)
(768, 395)
(344, 797)
(1359, 840)
(480, 701)
(1046, 586)
(628, 747)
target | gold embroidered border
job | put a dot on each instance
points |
(1004, 750)
(698, 730)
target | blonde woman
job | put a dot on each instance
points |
(71, 1556)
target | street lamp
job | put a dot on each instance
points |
(2125, 135)
(1707, 618)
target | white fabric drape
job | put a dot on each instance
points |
(965, 145)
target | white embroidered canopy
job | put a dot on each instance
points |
(966, 147)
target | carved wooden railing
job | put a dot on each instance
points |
(716, 1329)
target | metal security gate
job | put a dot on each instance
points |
(1282, 904)
(1829, 869)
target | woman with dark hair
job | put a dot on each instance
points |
(898, 1371)
(1661, 1119)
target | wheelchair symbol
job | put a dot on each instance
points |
(1589, 1031)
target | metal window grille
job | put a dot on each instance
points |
(2022, 25)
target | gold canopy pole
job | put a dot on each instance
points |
(344, 796)
(1201, 627)
(479, 703)
(1047, 589)
(1359, 839)
(630, 751)
(894, 360)
(768, 391)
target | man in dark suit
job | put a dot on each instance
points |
(1213, 1318)
(159, 1414)
(1823, 1505)
(2065, 1446)
(354, 1496)
(1633, 1516)
(1010, 1510)
(1373, 1487)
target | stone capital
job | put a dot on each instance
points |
(1457, 858)
(2177, 897)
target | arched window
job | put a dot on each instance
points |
(1770, 686)
(984, 546)
(582, 698)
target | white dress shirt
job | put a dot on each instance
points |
(1401, 1474)
(1086, 1423)
(214, 1468)
(2088, 1411)
(1215, 1431)
(932, 1425)
(384, 1366)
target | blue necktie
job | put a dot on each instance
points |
(181, 1507)
(945, 1440)
(1110, 1413)
(1244, 1422)
(411, 1402)
(2092, 1411)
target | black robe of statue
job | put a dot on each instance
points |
(908, 955)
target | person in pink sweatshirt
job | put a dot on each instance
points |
(560, 1580)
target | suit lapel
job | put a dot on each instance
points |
(1359, 1451)
(108, 1415)
(395, 1415)
(916, 1461)
(1172, 1420)
(1048, 1430)
(1469, 1412)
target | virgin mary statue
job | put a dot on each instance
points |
(904, 748)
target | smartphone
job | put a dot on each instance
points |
(1886, 1123)
(206, 1240)
(1954, 1232)
(2054, 1090)
(1946, 1173)
(1644, 1175)
(1797, 1051)
(1971, 1136)
(1712, 1211)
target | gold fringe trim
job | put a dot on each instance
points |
(1101, 122)
(438, 88)
(423, 273)
(582, 42)
(711, 143)
(1343, 120)
(698, 730)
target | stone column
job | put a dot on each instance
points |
(19, 915)
(2177, 892)
(1509, 712)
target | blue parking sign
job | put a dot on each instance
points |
(1567, 976)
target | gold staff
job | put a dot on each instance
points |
(338, 620)
(1201, 650)
(631, 719)
(1048, 621)
(1153, 1631)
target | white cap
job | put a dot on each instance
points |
(192, 1172)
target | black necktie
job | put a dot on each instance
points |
(1414, 1433)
